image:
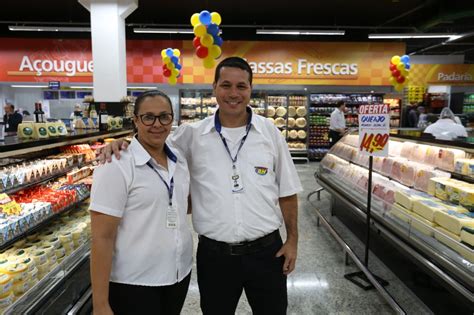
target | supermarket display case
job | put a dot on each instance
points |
(320, 108)
(44, 222)
(422, 204)
(468, 109)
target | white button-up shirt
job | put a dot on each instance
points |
(337, 120)
(146, 251)
(266, 169)
(446, 129)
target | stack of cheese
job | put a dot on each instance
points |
(464, 166)
(455, 191)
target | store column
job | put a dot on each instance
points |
(108, 46)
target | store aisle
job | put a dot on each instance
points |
(317, 285)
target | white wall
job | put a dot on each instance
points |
(437, 59)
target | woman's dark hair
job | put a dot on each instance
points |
(151, 93)
(233, 62)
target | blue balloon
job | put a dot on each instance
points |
(218, 40)
(407, 66)
(205, 17)
(405, 58)
(178, 66)
(175, 60)
(213, 29)
(169, 52)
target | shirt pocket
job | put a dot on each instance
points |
(260, 168)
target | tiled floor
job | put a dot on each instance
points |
(317, 286)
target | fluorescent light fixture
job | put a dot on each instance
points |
(141, 87)
(49, 28)
(414, 35)
(163, 30)
(29, 86)
(81, 87)
(300, 32)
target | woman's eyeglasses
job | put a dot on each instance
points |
(149, 120)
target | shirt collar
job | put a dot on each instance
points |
(142, 156)
(213, 122)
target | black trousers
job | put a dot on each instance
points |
(134, 299)
(335, 136)
(223, 277)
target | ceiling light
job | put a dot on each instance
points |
(300, 32)
(414, 35)
(49, 28)
(164, 30)
(29, 86)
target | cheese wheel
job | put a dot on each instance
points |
(60, 252)
(301, 111)
(34, 274)
(48, 249)
(28, 248)
(301, 122)
(291, 122)
(54, 242)
(293, 134)
(40, 257)
(5, 284)
(280, 122)
(7, 299)
(29, 262)
(21, 287)
(43, 268)
(301, 134)
(291, 111)
(17, 271)
(281, 111)
(69, 247)
(270, 111)
(65, 237)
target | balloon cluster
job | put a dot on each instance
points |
(171, 65)
(207, 41)
(399, 70)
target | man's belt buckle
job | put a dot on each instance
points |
(237, 249)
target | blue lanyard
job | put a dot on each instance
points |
(169, 188)
(218, 126)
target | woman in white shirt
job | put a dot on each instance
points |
(141, 253)
(446, 127)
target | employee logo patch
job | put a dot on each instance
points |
(260, 170)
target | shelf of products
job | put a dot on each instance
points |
(321, 107)
(436, 102)
(423, 193)
(395, 110)
(44, 222)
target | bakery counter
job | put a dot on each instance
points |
(14, 146)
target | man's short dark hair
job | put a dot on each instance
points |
(340, 103)
(10, 105)
(233, 62)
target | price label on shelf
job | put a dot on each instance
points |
(374, 129)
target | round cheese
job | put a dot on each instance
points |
(291, 111)
(281, 111)
(301, 111)
(280, 122)
(301, 122)
(6, 299)
(301, 134)
(21, 287)
(40, 257)
(291, 122)
(270, 111)
(293, 134)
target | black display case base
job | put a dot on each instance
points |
(360, 279)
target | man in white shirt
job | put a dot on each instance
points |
(446, 128)
(243, 188)
(337, 124)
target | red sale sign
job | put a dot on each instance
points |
(374, 129)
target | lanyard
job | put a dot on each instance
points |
(169, 188)
(218, 125)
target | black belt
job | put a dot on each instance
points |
(242, 248)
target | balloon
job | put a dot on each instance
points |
(407, 78)
(164, 67)
(401, 66)
(169, 52)
(196, 42)
(404, 73)
(405, 58)
(174, 60)
(213, 29)
(202, 52)
(207, 40)
(163, 53)
(392, 80)
(174, 72)
(396, 73)
(195, 19)
(392, 67)
(172, 80)
(200, 30)
(176, 52)
(216, 18)
(166, 59)
(215, 51)
(208, 63)
(218, 40)
(179, 67)
(205, 17)
(401, 79)
(407, 66)
(170, 65)
(167, 72)
(395, 60)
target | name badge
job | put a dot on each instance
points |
(171, 218)
(236, 182)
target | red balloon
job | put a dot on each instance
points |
(166, 72)
(202, 52)
(396, 73)
(165, 67)
(196, 42)
(401, 79)
(393, 67)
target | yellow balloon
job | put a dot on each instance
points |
(195, 19)
(216, 18)
(163, 53)
(208, 62)
(200, 30)
(395, 60)
(406, 79)
(176, 52)
(392, 80)
(207, 40)
(398, 87)
(215, 51)
(401, 66)
(172, 80)
(166, 59)
(404, 72)
(174, 72)
(170, 65)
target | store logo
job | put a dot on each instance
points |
(454, 76)
(260, 170)
(68, 68)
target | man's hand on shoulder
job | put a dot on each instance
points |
(105, 153)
